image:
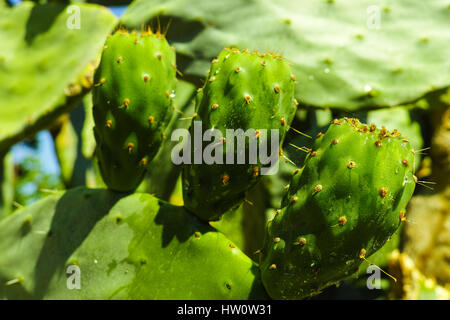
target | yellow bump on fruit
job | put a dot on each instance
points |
(225, 179)
(351, 164)
(300, 242)
(362, 253)
(130, 146)
(336, 121)
(342, 220)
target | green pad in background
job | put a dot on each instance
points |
(44, 65)
(348, 55)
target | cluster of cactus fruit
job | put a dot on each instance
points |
(342, 206)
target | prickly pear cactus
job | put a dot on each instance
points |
(132, 105)
(341, 207)
(244, 90)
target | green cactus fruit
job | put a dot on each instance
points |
(132, 105)
(341, 207)
(245, 91)
(99, 244)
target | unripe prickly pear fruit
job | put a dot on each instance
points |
(132, 105)
(341, 207)
(243, 90)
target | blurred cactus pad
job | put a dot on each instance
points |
(44, 65)
(99, 98)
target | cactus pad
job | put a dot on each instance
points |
(134, 247)
(45, 67)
